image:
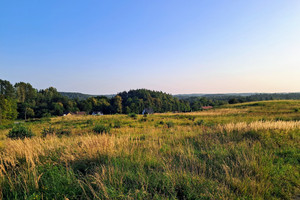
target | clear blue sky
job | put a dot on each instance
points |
(104, 47)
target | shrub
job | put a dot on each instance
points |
(48, 131)
(20, 132)
(53, 131)
(170, 124)
(117, 124)
(199, 122)
(132, 115)
(100, 128)
(62, 132)
(142, 137)
(192, 118)
(296, 110)
(89, 121)
(144, 119)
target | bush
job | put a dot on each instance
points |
(144, 119)
(117, 124)
(62, 132)
(296, 110)
(170, 124)
(20, 132)
(199, 122)
(192, 118)
(89, 122)
(100, 128)
(48, 131)
(132, 115)
(53, 131)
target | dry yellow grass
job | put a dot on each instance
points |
(88, 146)
(260, 125)
(212, 112)
(74, 148)
(202, 158)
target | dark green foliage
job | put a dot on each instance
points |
(100, 128)
(8, 103)
(233, 101)
(76, 95)
(117, 104)
(192, 118)
(89, 122)
(138, 100)
(142, 137)
(7, 126)
(20, 132)
(132, 115)
(62, 132)
(199, 122)
(48, 131)
(117, 124)
(8, 109)
(296, 110)
(144, 119)
(252, 135)
(54, 131)
(6, 89)
(170, 124)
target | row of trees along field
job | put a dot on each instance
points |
(23, 101)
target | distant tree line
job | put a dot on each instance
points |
(23, 101)
(232, 99)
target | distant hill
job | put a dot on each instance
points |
(80, 96)
(225, 96)
(185, 96)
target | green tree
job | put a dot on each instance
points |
(25, 92)
(8, 109)
(29, 113)
(58, 108)
(127, 110)
(7, 89)
(117, 104)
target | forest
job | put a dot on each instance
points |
(22, 101)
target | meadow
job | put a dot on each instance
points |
(239, 151)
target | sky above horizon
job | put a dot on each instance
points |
(195, 46)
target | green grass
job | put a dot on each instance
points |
(166, 156)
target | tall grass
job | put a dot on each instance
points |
(216, 159)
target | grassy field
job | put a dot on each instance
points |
(241, 151)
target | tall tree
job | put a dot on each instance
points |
(117, 104)
(8, 109)
(7, 89)
(25, 92)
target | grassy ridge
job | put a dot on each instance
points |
(244, 151)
